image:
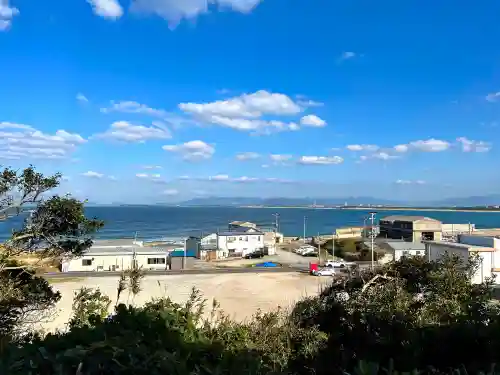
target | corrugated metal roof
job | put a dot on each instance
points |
(407, 218)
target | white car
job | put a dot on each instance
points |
(305, 250)
(338, 263)
(324, 272)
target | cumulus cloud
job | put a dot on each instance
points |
(19, 141)
(313, 121)
(247, 105)
(348, 55)
(430, 145)
(357, 147)
(410, 182)
(246, 112)
(320, 160)
(93, 174)
(219, 177)
(134, 107)
(401, 148)
(151, 167)
(81, 98)
(469, 145)
(7, 13)
(493, 97)
(124, 131)
(174, 11)
(247, 156)
(192, 150)
(110, 9)
(281, 157)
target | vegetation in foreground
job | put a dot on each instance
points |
(410, 316)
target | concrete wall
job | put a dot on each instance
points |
(457, 228)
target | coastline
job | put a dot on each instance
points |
(437, 209)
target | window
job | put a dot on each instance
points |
(86, 262)
(258, 238)
(246, 238)
(418, 252)
(406, 253)
(231, 239)
(156, 260)
(241, 238)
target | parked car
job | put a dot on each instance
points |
(305, 250)
(255, 254)
(327, 271)
(338, 263)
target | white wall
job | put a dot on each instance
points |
(100, 262)
(241, 243)
(435, 251)
(142, 260)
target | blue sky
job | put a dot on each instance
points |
(164, 100)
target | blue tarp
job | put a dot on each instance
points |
(267, 264)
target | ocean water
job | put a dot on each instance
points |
(152, 222)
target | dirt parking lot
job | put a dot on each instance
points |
(240, 295)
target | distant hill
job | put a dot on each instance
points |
(286, 202)
(473, 201)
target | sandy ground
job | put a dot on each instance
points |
(240, 295)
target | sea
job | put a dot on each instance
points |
(156, 222)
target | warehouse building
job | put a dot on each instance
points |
(410, 228)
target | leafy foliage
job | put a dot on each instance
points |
(57, 227)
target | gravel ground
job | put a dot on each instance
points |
(240, 295)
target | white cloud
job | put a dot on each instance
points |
(383, 156)
(219, 177)
(280, 158)
(192, 150)
(313, 121)
(356, 147)
(469, 145)
(170, 192)
(7, 13)
(401, 148)
(247, 156)
(148, 176)
(247, 105)
(126, 132)
(134, 107)
(24, 141)
(81, 98)
(112, 178)
(93, 174)
(430, 145)
(410, 182)
(347, 56)
(246, 179)
(493, 97)
(110, 9)
(308, 103)
(321, 160)
(151, 167)
(174, 11)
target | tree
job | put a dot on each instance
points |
(56, 228)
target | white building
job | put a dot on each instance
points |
(119, 255)
(234, 243)
(400, 249)
(434, 250)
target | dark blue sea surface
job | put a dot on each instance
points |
(152, 222)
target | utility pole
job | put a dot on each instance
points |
(319, 251)
(305, 220)
(276, 222)
(372, 235)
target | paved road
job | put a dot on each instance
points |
(62, 275)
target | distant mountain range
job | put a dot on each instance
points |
(351, 201)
